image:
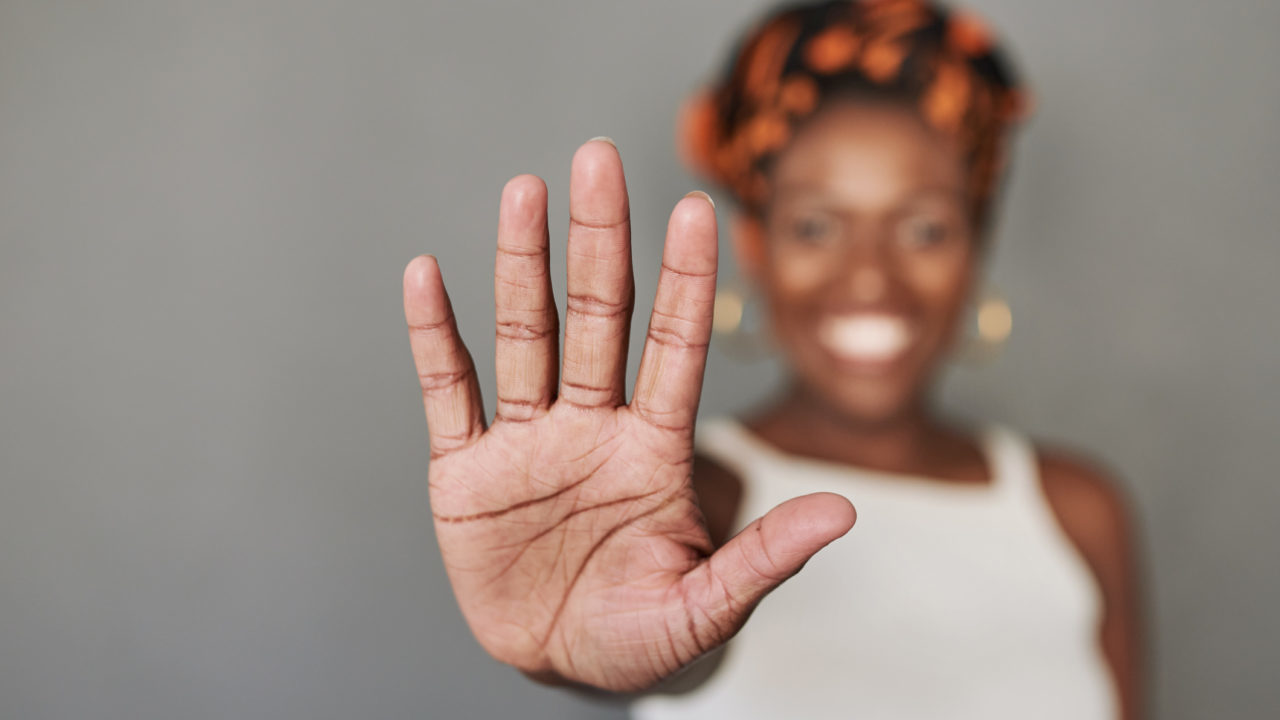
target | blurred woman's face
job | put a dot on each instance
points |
(867, 256)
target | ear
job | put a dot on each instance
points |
(747, 233)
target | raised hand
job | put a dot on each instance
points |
(569, 527)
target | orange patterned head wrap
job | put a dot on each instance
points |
(943, 63)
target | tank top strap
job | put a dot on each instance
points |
(728, 443)
(1010, 455)
(1012, 460)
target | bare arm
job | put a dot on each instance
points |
(1094, 515)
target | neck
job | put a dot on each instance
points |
(912, 441)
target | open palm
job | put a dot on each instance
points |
(569, 527)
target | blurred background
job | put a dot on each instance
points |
(213, 496)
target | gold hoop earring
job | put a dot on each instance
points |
(737, 324)
(988, 329)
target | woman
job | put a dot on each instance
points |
(589, 545)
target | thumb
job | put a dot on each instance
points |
(722, 592)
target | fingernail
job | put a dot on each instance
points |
(704, 196)
(602, 138)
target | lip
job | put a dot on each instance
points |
(866, 342)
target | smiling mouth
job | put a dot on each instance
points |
(866, 339)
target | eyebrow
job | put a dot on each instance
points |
(949, 192)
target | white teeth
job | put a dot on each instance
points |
(865, 337)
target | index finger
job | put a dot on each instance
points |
(675, 350)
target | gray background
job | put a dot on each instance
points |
(212, 456)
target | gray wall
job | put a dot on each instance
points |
(212, 456)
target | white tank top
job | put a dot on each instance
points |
(946, 601)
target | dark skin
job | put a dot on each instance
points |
(870, 217)
(568, 525)
(586, 544)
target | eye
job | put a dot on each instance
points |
(812, 229)
(925, 232)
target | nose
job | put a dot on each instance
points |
(869, 284)
(868, 267)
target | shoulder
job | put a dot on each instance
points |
(719, 491)
(1092, 511)
(1083, 494)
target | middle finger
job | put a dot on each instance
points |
(601, 291)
